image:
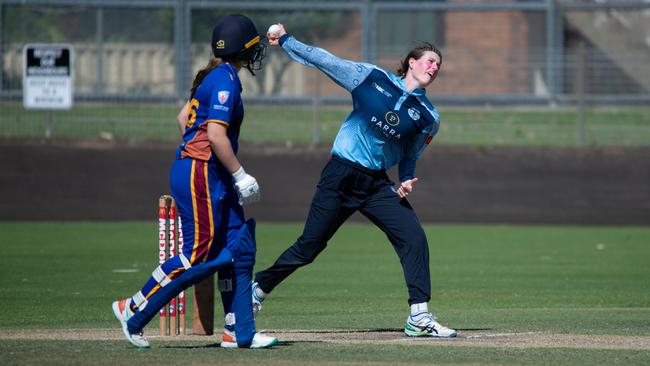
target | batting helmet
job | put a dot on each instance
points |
(235, 37)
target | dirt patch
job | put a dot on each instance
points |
(371, 336)
(474, 339)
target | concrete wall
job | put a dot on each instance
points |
(461, 185)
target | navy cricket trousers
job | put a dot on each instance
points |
(343, 189)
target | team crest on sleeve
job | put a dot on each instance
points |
(414, 114)
(223, 96)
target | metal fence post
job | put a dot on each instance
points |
(368, 34)
(552, 50)
(315, 128)
(580, 91)
(49, 124)
(2, 47)
(99, 73)
(182, 41)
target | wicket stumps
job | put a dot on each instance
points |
(170, 243)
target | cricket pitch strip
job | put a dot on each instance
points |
(467, 338)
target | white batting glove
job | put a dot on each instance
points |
(246, 186)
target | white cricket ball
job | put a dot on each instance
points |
(274, 30)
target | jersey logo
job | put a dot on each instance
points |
(384, 127)
(414, 114)
(223, 96)
(221, 107)
(381, 90)
(391, 118)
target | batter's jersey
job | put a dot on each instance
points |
(388, 125)
(216, 100)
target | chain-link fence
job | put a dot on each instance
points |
(582, 65)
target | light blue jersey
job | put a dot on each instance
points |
(387, 125)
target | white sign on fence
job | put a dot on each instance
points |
(47, 76)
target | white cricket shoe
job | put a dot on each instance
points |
(257, 300)
(425, 325)
(259, 340)
(123, 313)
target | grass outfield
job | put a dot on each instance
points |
(561, 282)
(293, 125)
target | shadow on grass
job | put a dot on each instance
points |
(187, 346)
(474, 329)
(216, 345)
(372, 330)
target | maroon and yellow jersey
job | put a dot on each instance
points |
(216, 100)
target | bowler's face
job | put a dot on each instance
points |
(425, 69)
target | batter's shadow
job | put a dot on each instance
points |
(370, 330)
(217, 345)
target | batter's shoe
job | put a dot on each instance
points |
(123, 313)
(229, 340)
(259, 340)
(425, 325)
(257, 300)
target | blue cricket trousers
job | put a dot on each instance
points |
(343, 189)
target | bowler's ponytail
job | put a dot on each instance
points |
(200, 75)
